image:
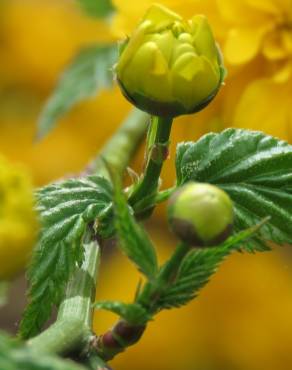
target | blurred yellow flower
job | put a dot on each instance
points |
(33, 53)
(256, 36)
(40, 37)
(259, 27)
(259, 32)
(18, 224)
(242, 320)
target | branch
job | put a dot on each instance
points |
(72, 330)
(74, 318)
(120, 150)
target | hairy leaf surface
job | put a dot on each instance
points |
(254, 169)
(133, 240)
(198, 266)
(66, 208)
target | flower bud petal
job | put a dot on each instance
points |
(185, 38)
(165, 42)
(182, 49)
(134, 43)
(161, 17)
(149, 61)
(203, 38)
(187, 66)
(170, 67)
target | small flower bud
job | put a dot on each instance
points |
(169, 66)
(201, 214)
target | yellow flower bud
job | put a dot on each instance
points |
(170, 66)
(18, 220)
(201, 214)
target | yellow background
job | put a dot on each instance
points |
(243, 319)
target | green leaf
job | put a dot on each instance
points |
(98, 8)
(133, 240)
(254, 169)
(66, 208)
(198, 266)
(133, 313)
(88, 74)
(15, 356)
(180, 152)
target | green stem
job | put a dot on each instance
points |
(62, 337)
(151, 292)
(152, 200)
(75, 313)
(170, 269)
(119, 151)
(157, 152)
(72, 330)
(124, 334)
(79, 297)
(96, 363)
